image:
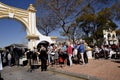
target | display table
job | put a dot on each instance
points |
(23, 61)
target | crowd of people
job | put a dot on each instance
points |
(106, 51)
(57, 54)
(62, 54)
(11, 57)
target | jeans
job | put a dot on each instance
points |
(9, 62)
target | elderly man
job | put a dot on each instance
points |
(81, 50)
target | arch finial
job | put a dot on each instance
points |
(31, 8)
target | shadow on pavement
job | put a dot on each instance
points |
(116, 61)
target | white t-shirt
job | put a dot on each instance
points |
(9, 56)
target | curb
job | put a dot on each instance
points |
(77, 75)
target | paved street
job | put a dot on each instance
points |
(20, 73)
(100, 69)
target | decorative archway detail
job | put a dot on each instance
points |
(28, 18)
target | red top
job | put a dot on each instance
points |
(69, 50)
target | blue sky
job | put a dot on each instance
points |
(12, 31)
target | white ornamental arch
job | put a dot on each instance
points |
(28, 18)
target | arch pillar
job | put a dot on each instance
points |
(32, 37)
